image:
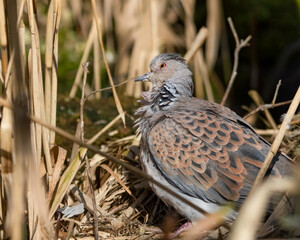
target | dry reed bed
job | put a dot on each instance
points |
(117, 201)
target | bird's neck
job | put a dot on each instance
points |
(159, 100)
(155, 102)
(165, 96)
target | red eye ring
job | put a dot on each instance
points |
(162, 66)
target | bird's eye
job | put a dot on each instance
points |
(162, 66)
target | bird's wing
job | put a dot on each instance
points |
(207, 156)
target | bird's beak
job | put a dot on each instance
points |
(143, 78)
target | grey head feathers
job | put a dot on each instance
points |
(168, 56)
(171, 80)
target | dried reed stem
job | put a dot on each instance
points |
(56, 19)
(41, 134)
(39, 226)
(3, 40)
(274, 148)
(118, 103)
(239, 45)
(266, 131)
(84, 58)
(21, 131)
(97, 72)
(34, 80)
(48, 60)
(87, 163)
(6, 123)
(154, 18)
(200, 71)
(205, 76)
(197, 43)
(247, 223)
(6, 135)
(214, 15)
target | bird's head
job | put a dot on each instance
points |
(168, 68)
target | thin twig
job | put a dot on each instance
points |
(274, 148)
(259, 102)
(239, 45)
(88, 171)
(266, 106)
(108, 88)
(276, 92)
(86, 71)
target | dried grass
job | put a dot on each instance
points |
(41, 174)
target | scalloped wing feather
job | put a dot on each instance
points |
(207, 156)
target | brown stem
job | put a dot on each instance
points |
(239, 46)
(88, 170)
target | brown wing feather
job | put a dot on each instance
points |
(206, 156)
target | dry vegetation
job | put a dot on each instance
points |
(103, 190)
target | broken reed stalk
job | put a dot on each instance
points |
(276, 92)
(239, 45)
(278, 139)
(99, 32)
(87, 163)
